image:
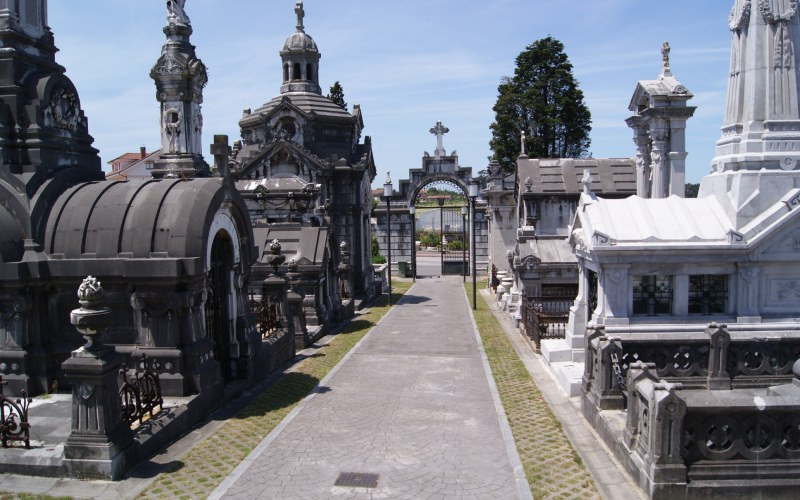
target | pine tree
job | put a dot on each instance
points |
(336, 94)
(542, 99)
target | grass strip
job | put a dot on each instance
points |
(552, 467)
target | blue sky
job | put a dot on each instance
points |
(408, 63)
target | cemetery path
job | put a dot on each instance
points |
(413, 403)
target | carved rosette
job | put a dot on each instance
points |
(64, 110)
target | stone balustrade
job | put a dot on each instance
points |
(677, 438)
(712, 360)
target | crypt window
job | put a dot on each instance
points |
(286, 72)
(296, 74)
(309, 73)
(708, 293)
(652, 295)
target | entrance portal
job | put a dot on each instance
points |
(441, 222)
(218, 308)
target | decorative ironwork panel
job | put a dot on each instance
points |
(708, 293)
(454, 241)
(14, 424)
(546, 317)
(140, 395)
(652, 295)
(266, 308)
(592, 289)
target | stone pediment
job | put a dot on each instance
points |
(303, 157)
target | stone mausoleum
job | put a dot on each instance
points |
(173, 254)
(305, 175)
(685, 330)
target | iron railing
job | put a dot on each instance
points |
(545, 317)
(14, 425)
(140, 395)
(267, 310)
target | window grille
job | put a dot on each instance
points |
(708, 293)
(652, 295)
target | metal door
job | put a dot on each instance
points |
(454, 246)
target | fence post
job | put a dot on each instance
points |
(718, 377)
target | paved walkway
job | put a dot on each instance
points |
(413, 403)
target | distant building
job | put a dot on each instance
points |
(133, 165)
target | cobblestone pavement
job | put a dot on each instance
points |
(551, 465)
(412, 404)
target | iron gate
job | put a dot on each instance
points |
(454, 241)
(217, 315)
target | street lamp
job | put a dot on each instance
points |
(413, 212)
(387, 193)
(473, 195)
(464, 244)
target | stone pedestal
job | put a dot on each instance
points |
(99, 445)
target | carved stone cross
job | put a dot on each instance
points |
(298, 9)
(439, 130)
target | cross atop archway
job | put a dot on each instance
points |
(439, 130)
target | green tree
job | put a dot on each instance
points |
(692, 190)
(336, 94)
(542, 99)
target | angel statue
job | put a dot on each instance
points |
(176, 12)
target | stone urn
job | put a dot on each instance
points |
(91, 319)
(274, 258)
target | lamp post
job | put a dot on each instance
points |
(473, 195)
(412, 211)
(387, 193)
(464, 243)
(441, 233)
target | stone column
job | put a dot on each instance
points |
(680, 295)
(99, 444)
(659, 166)
(642, 140)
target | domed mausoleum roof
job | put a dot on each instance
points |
(139, 219)
(300, 42)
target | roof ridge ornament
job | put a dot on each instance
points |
(298, 9)
(665, 50)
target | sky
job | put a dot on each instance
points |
(407, 63)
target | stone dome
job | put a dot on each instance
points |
(300, 42)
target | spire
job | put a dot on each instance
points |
(180, 77)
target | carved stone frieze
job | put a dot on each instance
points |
(739, 17)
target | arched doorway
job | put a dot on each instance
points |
(441, 228)
(218, 307)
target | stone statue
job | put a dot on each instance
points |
(176, 13)
(665, 50)
(172, 127)
(586, 181)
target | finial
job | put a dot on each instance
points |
(522, 141)
(298, 9)
(665, 49)
(388, 178)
